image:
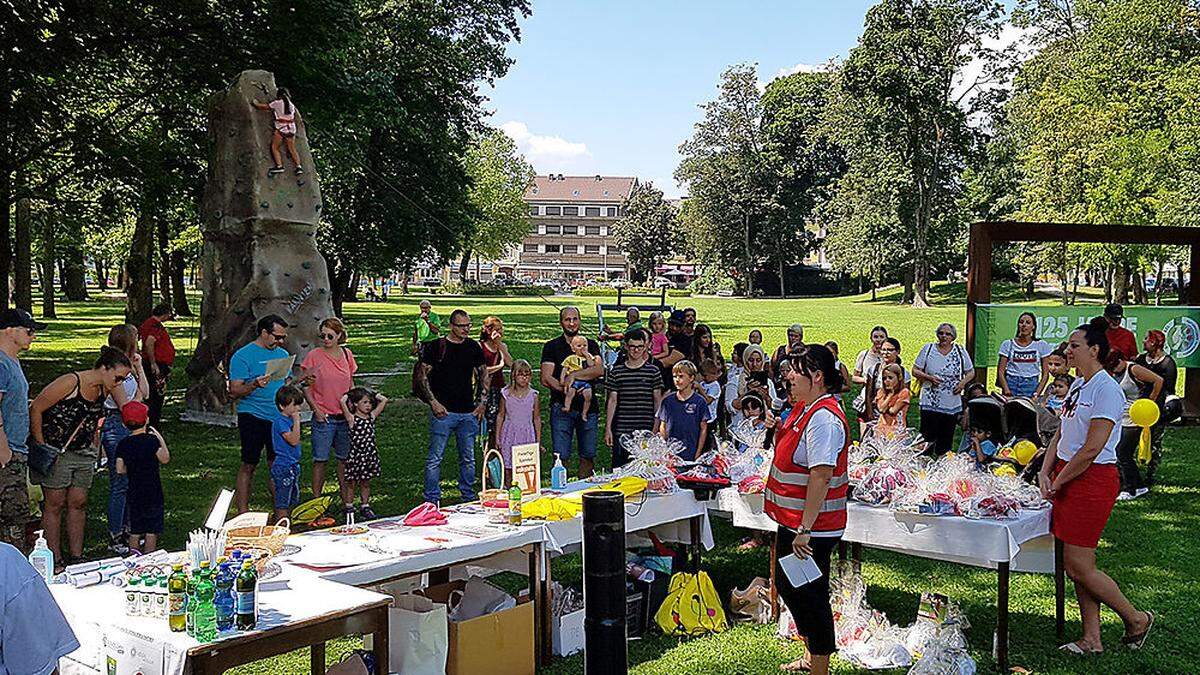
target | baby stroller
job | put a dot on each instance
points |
(1024, 420)
(987, 413)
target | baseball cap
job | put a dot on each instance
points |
(796, 328)
(677, 317)
(19, 318)
(135, 414)
(1114, 311)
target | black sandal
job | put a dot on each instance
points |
(1136, 641)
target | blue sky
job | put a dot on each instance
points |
(612, 86)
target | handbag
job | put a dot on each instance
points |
(752, 605)
(42, 456)
(691, 607)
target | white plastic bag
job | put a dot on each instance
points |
(418, 636)
(479, 598)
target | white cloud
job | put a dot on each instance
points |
(544, 150)
(801, 68)
(971, 74)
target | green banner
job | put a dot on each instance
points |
(996, 323)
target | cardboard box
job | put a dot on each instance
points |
(568, 633)
(496, 644)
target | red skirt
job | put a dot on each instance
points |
(1083, 505)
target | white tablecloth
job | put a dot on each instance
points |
(1024, 542)
(667, 516)
(96, 614)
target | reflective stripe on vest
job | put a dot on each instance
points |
(827, 506)
(801, 479)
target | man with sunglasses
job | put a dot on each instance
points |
(255, 395)
(17, 329)
(452, 378)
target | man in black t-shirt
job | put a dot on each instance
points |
(564, 425)
(634, 389)
(679, 348)
(452, 378)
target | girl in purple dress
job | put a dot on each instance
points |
(520, 418)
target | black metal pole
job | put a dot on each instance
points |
(604, 649)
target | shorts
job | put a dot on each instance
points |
(255, 434)
(287, 486)
(580, 385)
(332, 434)
(1083, 505)
(70, 470)
(286, 131)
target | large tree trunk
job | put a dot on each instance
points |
(352, 287)
(749, 258)
(139, 294)
(1139, 288)
(179, 301)
(339, 282)
(6, 201)
(23, 257)
(907, 296)
(1121, 283)
(163, 267)
(74, 271)
(47, 271)
(463, 266)
(1030, 287)
(782, 282)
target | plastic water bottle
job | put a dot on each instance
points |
(206, 613)
(558, 475)
(177, 599)
(133, 593)
(514, 505)
(246, 597)
(160, 597)
(146, 597)
(42, 558)
(223, 601)
(190, 603)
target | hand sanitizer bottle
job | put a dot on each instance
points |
(558, 475)
(42, 558)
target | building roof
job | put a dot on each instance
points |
(591, 189)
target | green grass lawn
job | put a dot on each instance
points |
(1149, 548)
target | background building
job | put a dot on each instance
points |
(572, 218)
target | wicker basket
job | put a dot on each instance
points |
(268, 537)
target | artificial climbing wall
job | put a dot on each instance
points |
(260, 254)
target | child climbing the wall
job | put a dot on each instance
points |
(285, 130)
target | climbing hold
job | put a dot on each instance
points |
(306, 265)
(300, 182)
(317, 207)
(287, 274)
(263, 204)
(320, 291)
(289, 205)
(304, 345)
(266, 272)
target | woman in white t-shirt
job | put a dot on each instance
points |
(1134, 380)
(1080, 478)
(1022, 368)
(944, 369)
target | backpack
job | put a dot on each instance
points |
(691, 607)
(439, 347)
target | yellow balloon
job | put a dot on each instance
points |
(1144, 412)
(1024, 451)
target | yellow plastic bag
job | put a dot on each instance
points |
(550, 508)
(630, 486)
(691, 607)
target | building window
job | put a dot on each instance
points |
(612, 212)
(592, 230)
(554, 229)
(570, 210)
(614, 250)
(591, 210)
(592, 249)
(553, 211)
(570, 229)
(553, 248)
(533, 210)
(570, 248)
(530, 248)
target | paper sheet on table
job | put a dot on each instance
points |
(799, 571)
(279, 369)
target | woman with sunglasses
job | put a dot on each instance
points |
(806, 495)
(944, 369)
(332, 367)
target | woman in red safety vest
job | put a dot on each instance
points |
(806, 495)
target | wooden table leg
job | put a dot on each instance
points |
(695, 524)
(380, 645)
(843, 549)
(856, 552)
(317, 659)
(1060, 592)
(1002, 617)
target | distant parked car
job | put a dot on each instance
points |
(663, 282)
(432, 283)
(725, 293)
(619, 283)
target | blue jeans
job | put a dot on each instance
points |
(286, 480)
(564, 425)
(111, 434)
(1022, 386)
(465, 428)
(332, 434)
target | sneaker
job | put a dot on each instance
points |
(348, 511)
(367, 513)
(118, 547)
(299, 171)
(1125, 496)
(1141, 492)
(275, 171)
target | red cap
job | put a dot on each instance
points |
(135, 414)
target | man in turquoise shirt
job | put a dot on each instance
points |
(255, 395)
